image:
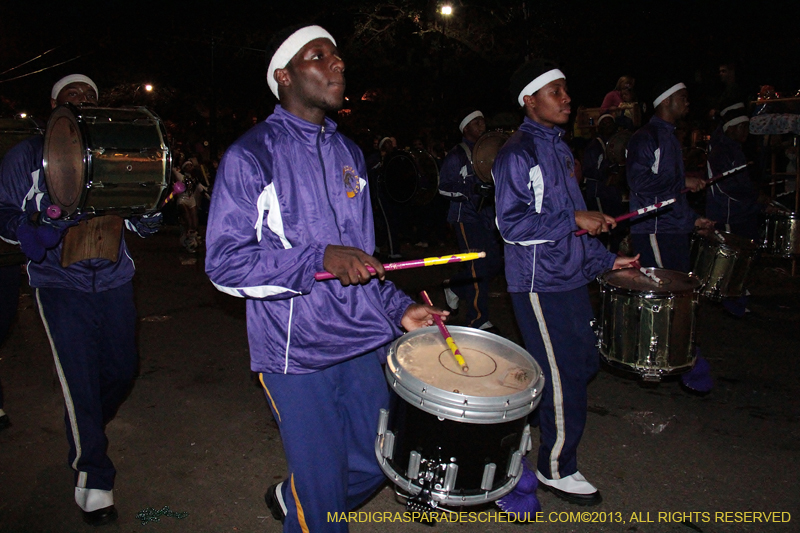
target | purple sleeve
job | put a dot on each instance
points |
(640, 162)
(526, 212)
(241, 260)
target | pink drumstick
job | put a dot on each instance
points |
(447, 337)
(53, 211)
(718, 177)
(177, 188)
(414, 263)
(632, 214)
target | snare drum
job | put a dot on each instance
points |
(780, 234)
(106, 161)
(721, 261)
(485, 151)
(410, 176)
(646, 327)
(457, 438)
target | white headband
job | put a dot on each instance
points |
(290, 47)
(539, 82)
(72, 78)
(469, 118)
(599, 120)
(740, 105)
(734, 121)
(669, 92)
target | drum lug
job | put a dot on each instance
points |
(487, 482)
(387, 450)
(383, 421)
(451, 471)
(515, 464)
(414, 460)
(526, 444)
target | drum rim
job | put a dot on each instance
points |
(604, 282)
(70, 112)
(478, 143)
(461, 407)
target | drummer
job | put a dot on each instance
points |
(317, 346)
(655, 173)
(472, 216)
(87, 309)
(548, 268)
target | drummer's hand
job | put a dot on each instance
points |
(419, 316)
(594, 222)
(349, 265)
(703, 223)
(695, 184)
(626, 262)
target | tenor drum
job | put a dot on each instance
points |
(103, 160)
(618, 146)
(410, 176)
(457, 438)
(485, 151)
(721, 261)
(780, 234)
(646, 327)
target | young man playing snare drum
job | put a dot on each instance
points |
(548, 268)
(87, 307)
(291, 199)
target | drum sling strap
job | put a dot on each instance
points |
(94, 238)
(467, 151)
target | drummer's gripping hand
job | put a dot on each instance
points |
(37, 236)
(703, 223)
(695, 184)
(594, 222)
(626, 262)
(420, 316)
(349, 265)
(148, 224)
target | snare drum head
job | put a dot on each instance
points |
(485, 151)
(503, 382)
(729, 240)
(632, 280)
(64, 163)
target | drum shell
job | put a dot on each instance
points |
(484, 153)
(106, 160)
(469, 433)
(410, 176)
(722, 263)
(780, 234)
(650, 333)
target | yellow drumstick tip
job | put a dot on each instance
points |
(459, 359)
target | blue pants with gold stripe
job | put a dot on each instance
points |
(471, 283)
(328, 422)
(93, 338)
(557, 332)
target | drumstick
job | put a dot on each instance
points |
(632, 214)
(414, 263)
(177, 188)
(718, 177)
(648, 273)
(447, 337)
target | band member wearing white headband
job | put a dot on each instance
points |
(472, 216)
(655, 172)
(548, 269)
(317, 346)
(87, 307)
(601, 195)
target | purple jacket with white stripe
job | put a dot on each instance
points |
(284, 191)
(655, 173)
(23, 192)
(537, 196)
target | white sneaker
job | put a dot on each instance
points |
(573, 488)
(486, 325)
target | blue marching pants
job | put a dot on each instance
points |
(92, 336)
(663, 250)
(9, 300)
(557, 332)
(328, 422)
(471, 283)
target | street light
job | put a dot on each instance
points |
(447, 10)
(147, 88)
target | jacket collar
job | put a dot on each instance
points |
(302, 130)
(661, 123)
(533, 127)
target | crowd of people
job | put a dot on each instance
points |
(293, 196)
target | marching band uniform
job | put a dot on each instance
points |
(472, 216)
(548, 269)
(285, 190)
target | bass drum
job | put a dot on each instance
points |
(485, 151)
(106, 161)
(618, 147)
(410, 176)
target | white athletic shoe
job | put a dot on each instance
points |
(573, 488)
(451, 298)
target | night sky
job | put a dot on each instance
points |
(421, 70)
